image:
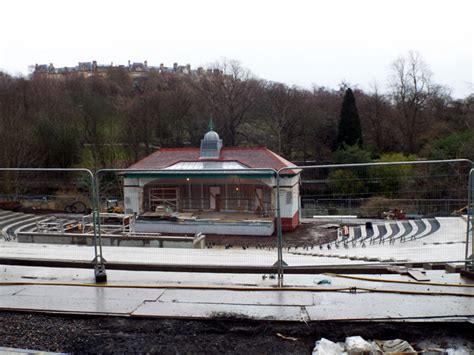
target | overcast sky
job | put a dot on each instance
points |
(296, 42)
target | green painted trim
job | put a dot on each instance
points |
(198, 175)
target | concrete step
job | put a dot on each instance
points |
(16, 218)
(9, 230)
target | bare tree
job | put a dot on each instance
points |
(94, 103)
(176, 111)
(142, 120)
(17, 134)
(280, 115)
(17, 124)
(322, 122)
(469, 102)
(376, 116)
(411, 88)
(377, 119)
(229, 90)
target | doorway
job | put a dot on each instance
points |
(214, 194)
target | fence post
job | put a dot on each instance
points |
(100, 273)
(279, 235)
(469, 264)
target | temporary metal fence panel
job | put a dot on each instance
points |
(41, 216)
(470, 223)
(195, 218)
(381, 212)
(351, 214)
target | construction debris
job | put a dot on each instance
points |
(324, 282)
(395, 213)
(396, 346)
(286, 337)
(356, 345)
(327, 347)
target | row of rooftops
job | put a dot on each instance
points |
(135, 67)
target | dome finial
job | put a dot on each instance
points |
(211, 124)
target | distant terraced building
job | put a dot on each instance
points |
(135, 70)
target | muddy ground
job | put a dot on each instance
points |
(306, 234)
(89, 334)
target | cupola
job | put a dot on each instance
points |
(211, 144)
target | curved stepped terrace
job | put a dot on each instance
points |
(10, 230)
(18, 217)
(28, 227)
(386, 232)
(406, 228)
(433, 227)
(8, 216)
(401, 231)
(5, 213)
(426, 239)
(431, 239)
(13, 222)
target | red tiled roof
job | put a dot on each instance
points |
(255, 158)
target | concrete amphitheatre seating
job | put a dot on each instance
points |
(425, 239)
(24, 229)
(389, 232)
(10, 222)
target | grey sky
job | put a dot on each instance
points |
(296, 42)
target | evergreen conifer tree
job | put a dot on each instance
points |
(349, 131)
